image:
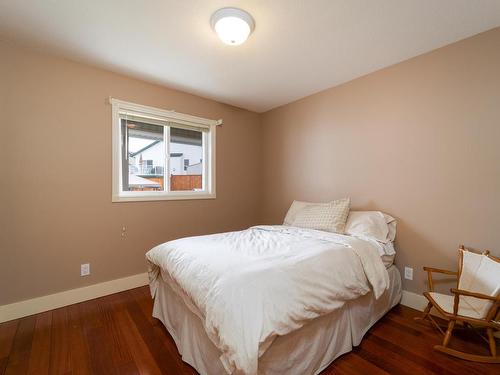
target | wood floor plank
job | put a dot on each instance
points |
(394, 362)
(18, 361)
(116, 334)
(418, 359)
(3, 364)
(39, 362)
(143, 298)
(163, 359)
(120, 352)
(7, 334)
(98, 340)
(59, 346)
(79, 350)
(465, 340)
(143, 359)
(353, 364)
(419, 346)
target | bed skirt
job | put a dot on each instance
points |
(308, 350)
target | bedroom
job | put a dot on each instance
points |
(392, 104)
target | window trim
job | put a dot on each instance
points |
(119, 106)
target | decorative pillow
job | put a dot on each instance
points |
(372, 224)
(296, 207)
(330, 217)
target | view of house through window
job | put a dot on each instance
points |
(186, 159)
(144, 157)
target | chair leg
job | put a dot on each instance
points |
(493, 344)
(427, 310)
(426, 316)
(447, 335)
(436, 325)
(425, 313)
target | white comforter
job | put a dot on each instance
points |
(252, 285)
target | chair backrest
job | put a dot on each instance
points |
(479, 273)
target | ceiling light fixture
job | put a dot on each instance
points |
(232, 25)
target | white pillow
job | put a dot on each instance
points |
(372, 224)
(391, 224)
(330, 217)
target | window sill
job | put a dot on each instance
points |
(162, 197)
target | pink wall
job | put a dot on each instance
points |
(55, 180)
(419, 140)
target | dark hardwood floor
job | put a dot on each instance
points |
(117, 335)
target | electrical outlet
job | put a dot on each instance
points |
(85, 269)
(408, 273)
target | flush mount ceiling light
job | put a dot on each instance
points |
(232, 25)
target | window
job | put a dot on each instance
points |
(160, 154)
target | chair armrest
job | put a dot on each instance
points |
(474, 294)
(438, 270)
(430, 270)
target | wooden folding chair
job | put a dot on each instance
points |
(475, 302)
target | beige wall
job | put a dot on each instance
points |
(419, 140)
(55, 176)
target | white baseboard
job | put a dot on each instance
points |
(69, 297)
(53, 301)
(414, 300)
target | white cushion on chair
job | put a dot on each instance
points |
(480, 274)
(446, 303)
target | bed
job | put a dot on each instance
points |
(270, 299)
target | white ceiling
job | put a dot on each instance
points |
(298, 47)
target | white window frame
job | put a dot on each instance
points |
(118, 195)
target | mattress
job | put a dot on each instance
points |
(307, 350)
